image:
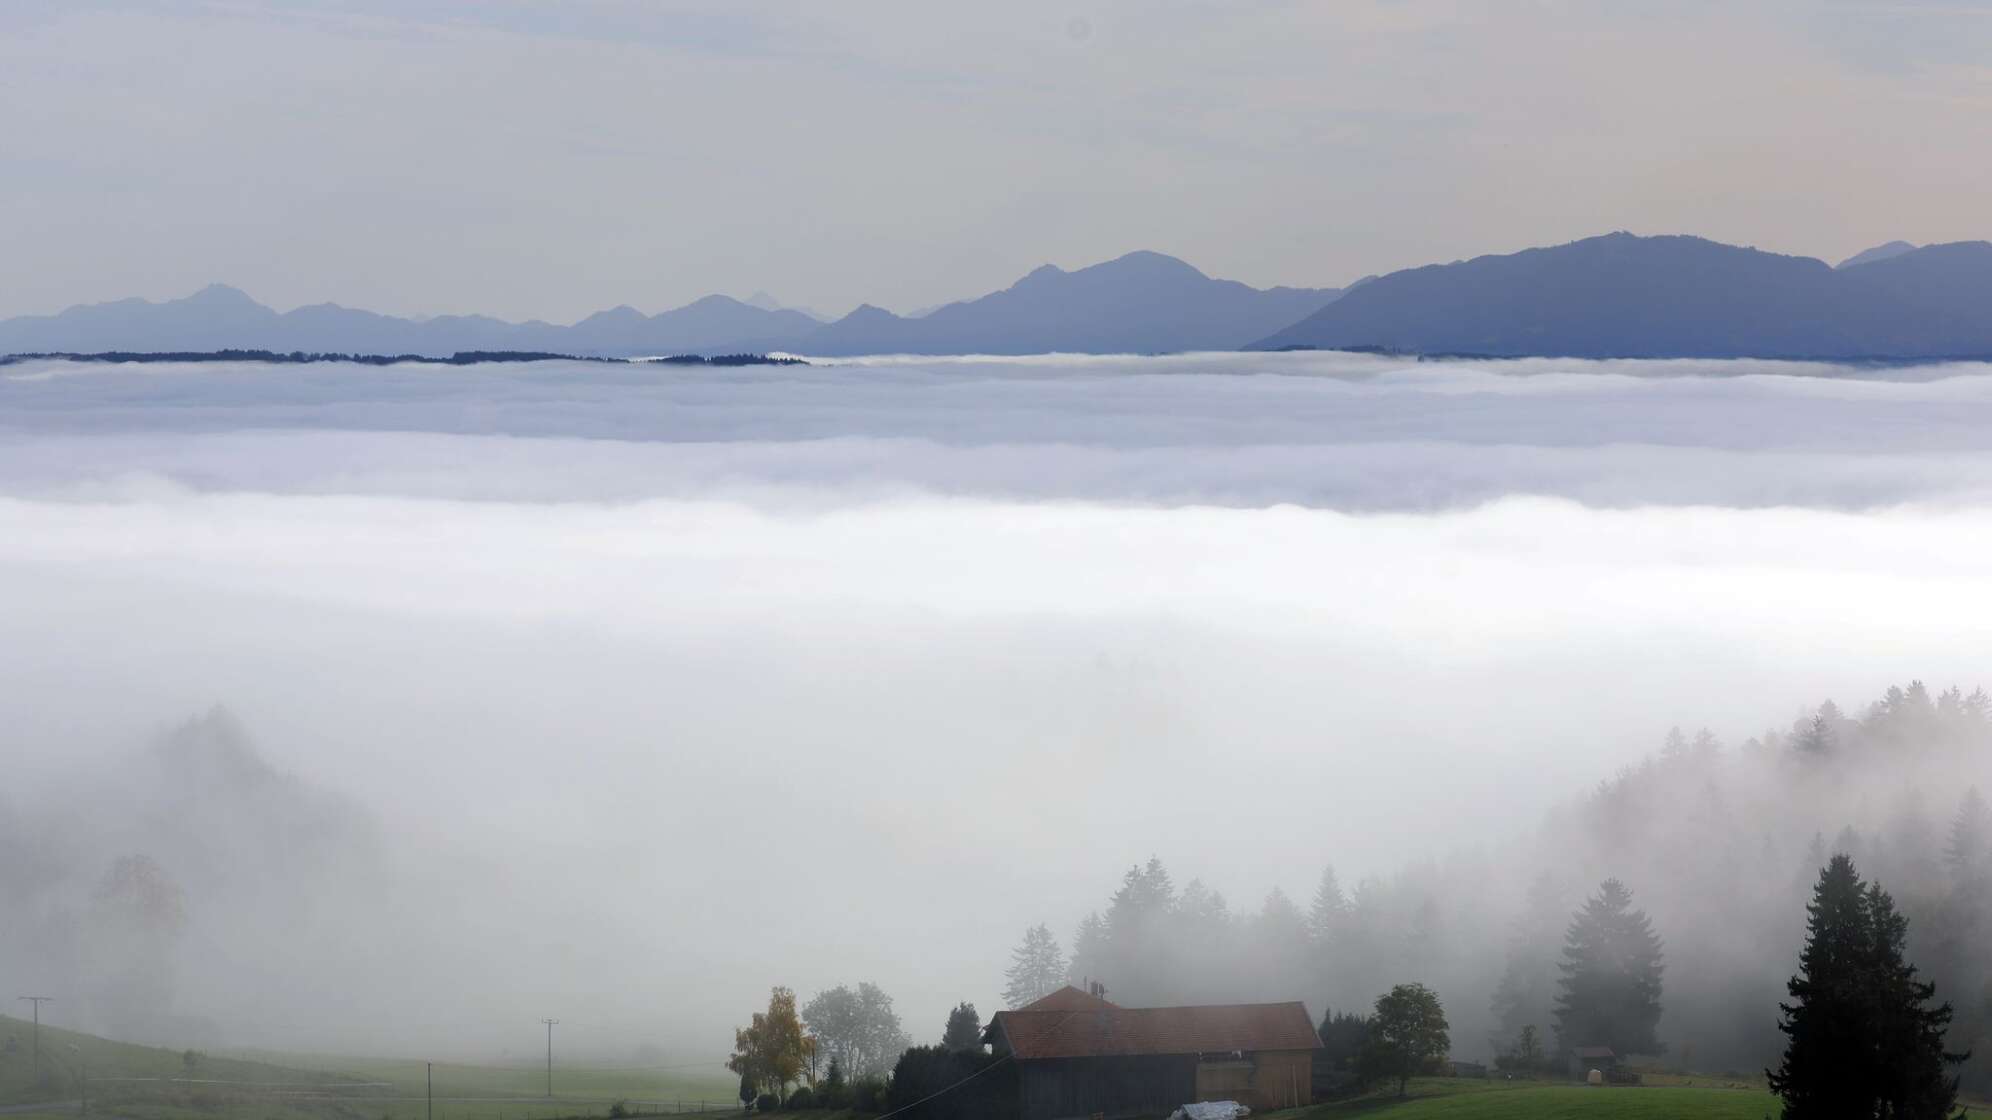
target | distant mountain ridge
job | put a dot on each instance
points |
(1142, 302)
(1622, 295)
(219, 317)
(1618, 295)
(1139, 303)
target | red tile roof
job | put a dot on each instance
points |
(1068, 998)
(1128, 1031)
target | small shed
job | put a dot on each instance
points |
(1584, 1059)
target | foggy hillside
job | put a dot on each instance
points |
(1720, 844)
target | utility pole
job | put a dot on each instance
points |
(82, 1076)
(38, 1001)
(432, 1090)
(549, 1056)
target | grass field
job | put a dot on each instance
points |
(151, 1083)
(148, 1083)
(1441, 1099)
(480, 1092)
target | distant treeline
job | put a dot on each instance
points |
(726, 360)
(460, 358)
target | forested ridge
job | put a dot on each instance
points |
(1719, 845)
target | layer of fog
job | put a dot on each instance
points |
(652, 688)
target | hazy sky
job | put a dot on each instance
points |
(417, 156)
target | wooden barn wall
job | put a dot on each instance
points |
(1282, 1079)
(1141, 1086)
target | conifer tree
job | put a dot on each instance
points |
(1037, 968)
(1089, 950)
(1860, 1039)
(1609, 993)
(1330, 909)
(1970, 837)
(964, 1030)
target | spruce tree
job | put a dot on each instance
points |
(1609, 993)
(964, 1030)
(1860, 1039)
(1089, 951)
(1970, 837)
(1037, 968)
(1329, 911)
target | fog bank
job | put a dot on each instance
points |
(636, 691)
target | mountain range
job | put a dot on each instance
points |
(1624, 296)
(1618, 295)
(1142, 302)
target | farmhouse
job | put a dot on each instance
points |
(1078, 1055)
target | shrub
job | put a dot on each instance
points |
(800, 1099)
(1342, 1038)
(766, 1102)
(868, 1094)
(618, 1110)
(932, 1083)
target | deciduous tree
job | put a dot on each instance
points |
(1405, 1036)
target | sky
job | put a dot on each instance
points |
(531, 160)
(937, 647)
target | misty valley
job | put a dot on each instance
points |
(1383, 724)
(1089, 560)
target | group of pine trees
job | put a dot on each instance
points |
(1725, 843)
(1156, 944)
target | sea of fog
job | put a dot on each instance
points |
(669, 684)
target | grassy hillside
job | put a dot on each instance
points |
(68, 1055)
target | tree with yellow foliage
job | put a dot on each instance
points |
(772, 1051)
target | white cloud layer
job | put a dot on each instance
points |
(936, 649)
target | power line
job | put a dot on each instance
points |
(38, 1001)
(950, 1088)
(1059, 1026)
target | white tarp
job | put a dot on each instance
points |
(1211, 1110)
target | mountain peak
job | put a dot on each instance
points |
(221, 295)
(1147, 260)
(869, 313)
(1878, 253)
(621, 313)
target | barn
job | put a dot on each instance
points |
(1078, 1055)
